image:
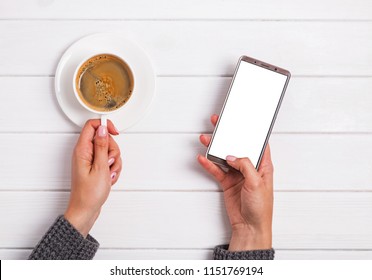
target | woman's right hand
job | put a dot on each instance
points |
(248, 196)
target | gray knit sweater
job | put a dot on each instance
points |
(63, 242)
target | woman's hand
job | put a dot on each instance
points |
(248, 195)
(96, 166)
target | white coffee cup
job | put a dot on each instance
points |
(103, 114)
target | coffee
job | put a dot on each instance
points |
(104, 82)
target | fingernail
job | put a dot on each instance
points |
(113, 175)
(111, 161)
(102, 131)
(230, 158)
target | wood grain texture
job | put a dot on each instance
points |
(192, 9)
(200, 254)
(189, 220)
(184, 104)
(168, 162)
(198, 48)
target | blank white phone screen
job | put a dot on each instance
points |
(248, 113)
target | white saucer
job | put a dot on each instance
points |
(144, 78)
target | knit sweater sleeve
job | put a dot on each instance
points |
(221, 253)
(63, 242)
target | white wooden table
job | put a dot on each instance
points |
(165, 206)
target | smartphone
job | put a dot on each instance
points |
(249, 111)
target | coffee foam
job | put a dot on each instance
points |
(104, 82)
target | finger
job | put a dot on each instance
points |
(205, 139)
(101, 145)
(112, 128)
(116, 166)
(89, 130)
(266, 167)
(115, 175)
(211, 168)
(266, 157)
(114, 178)
(114, 153)
(214, 119)
(111, 160)
(244, 165)
(114, 149)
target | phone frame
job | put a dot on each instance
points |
(265, 65)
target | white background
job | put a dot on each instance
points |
(164, 205)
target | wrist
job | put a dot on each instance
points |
(248, 238)
(82, 221)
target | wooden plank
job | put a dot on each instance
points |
(194, 220)
(195, 254)
(322, 162)
(302, 162)
(310, 105)
(198, 47)
(39, 104)
(192, 9)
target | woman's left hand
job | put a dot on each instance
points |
(96, 166)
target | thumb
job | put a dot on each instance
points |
(244, 165)
(101, 147)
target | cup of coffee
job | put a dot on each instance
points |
(103, 84)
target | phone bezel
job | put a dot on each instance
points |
(265, 65)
